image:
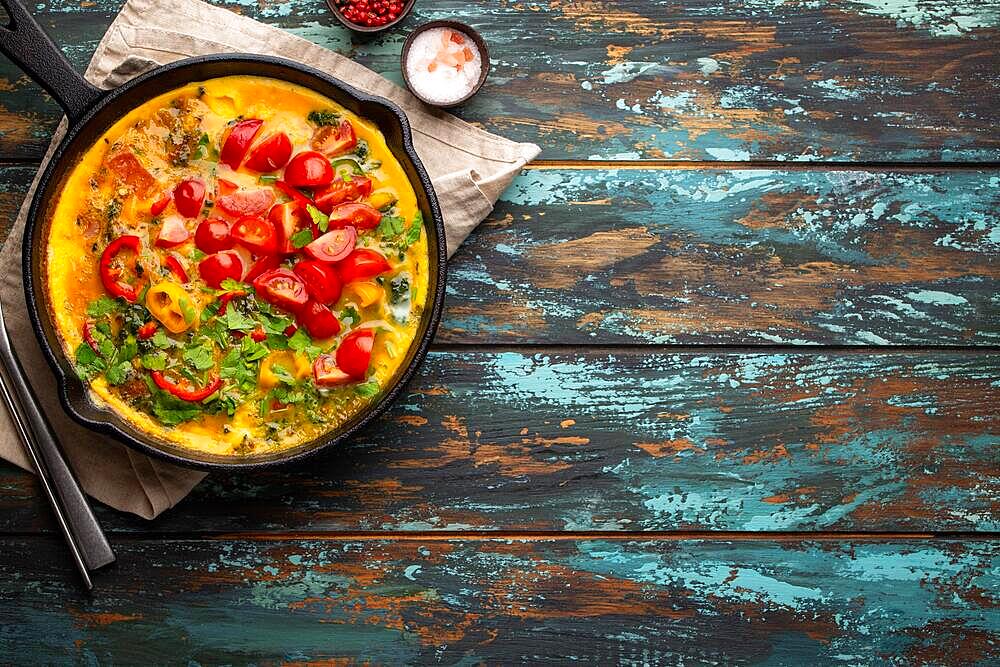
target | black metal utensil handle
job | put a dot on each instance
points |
(24, 42)
(72, 509)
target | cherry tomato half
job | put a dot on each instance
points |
(236, 144)
(212, 235)
(288, 218)
(335, 140)
(246, 202)
(340, 191)
(361, 264)
(271, 154)
(355, 353)
(265, 263)
(308, 169)
(173, 232)
(333, 246)
(256, 235)
(318, 320)
(216, 268)
(355, 214)
(321, 279)
(189, 195)
(282, 288)
(326, 373)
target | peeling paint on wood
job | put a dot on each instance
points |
(630, 79)
(454, 602)
(659, 441)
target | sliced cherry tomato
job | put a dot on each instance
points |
(224, 300)
(235, 147)
(147, 330)
(333, 246)
(340, 191)
(216, 268)
(361, 264)
(282, 288)
(355, 214)
(213, 235)
(246, 202)
(176, 268)
(300, 199)
(308, 169)
(322, 281)
(288, 218)
(258, 335)
(113, 266)
(186, 393)
(265, 263)
(131, 173)
(88, 336)
(224, 187)
(318, 320)
(327, 374)
(189, 195)
(336, 140)
(160, 205)
(173, 232)
(355, 353)
(271, 154)
(256, 234)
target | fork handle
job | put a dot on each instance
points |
(87, 533)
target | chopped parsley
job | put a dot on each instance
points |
(323, 118)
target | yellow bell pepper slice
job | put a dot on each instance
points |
(294, 364)
(171, 305)
(366, 293)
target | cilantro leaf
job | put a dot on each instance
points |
(319, 219)
(237, 321)
(390, 225)
(154, 361)
(302, 238)
(102, 306)
(350, 313)
(171, 410)
(368, 389)
(200, 355)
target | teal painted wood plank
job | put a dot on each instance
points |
(733, 256)
(705, 79)
(634, 440)
(746, 257)
(849, 602)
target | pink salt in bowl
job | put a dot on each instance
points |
(440, 70)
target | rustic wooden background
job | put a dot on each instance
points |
(717, 381)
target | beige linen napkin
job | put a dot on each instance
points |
(469, 169)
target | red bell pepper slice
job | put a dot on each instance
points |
(88, 336)
(174, 265)
(111, 271)
(184, 393)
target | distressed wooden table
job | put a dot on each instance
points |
(717, 382)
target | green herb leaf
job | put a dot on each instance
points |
(390, 225)
(350, 313)
(322, 118)
(161, 340)
(116, 373)
(154, 361)
(201, 356)
(302, 238)
(319, 219)
(237, 321)
(102, 306)
(187, 310)
(267, 179)
(171, 410)
(368, 389)
(88, 363)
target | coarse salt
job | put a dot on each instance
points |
(443, 65)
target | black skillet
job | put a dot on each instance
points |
(91, 112)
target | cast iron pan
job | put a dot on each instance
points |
(91, 112)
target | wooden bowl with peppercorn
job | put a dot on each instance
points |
(370, 16)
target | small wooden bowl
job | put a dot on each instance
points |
(466, 30)
(370, 30)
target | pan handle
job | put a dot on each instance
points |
(23, 41)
